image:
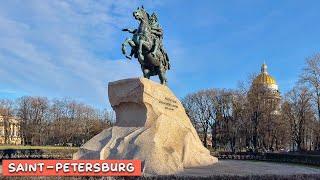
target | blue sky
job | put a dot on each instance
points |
(72, 48)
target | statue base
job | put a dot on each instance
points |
(152, 126)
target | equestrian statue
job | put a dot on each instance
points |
(146, 45)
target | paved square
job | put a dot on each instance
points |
(244, 168)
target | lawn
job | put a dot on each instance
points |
(56, 152)
(3, 147)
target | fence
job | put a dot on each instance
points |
(35, 154)
(275, 157)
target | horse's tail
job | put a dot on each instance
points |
(167, 60)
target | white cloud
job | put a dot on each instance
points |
(64, 48)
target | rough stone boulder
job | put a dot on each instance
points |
(152, 126)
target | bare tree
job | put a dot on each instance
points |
(221, 115)
(311, 77)
(199, 108)
(239, 124)
(211, 111)
(60, 121)
(297, 109)
(33, 112)
(7, 111)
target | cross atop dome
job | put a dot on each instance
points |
(264, 68)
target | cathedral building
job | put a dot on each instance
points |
(264, 104)
(9, 130)
(264, 92)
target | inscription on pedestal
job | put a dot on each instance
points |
(170, 104)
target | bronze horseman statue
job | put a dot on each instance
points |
(146, 45)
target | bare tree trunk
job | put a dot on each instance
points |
(213, 136)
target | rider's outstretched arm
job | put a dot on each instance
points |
(130, 30)
(133, 31)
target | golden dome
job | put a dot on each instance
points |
(265, 79)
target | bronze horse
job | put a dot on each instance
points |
(153, 61)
